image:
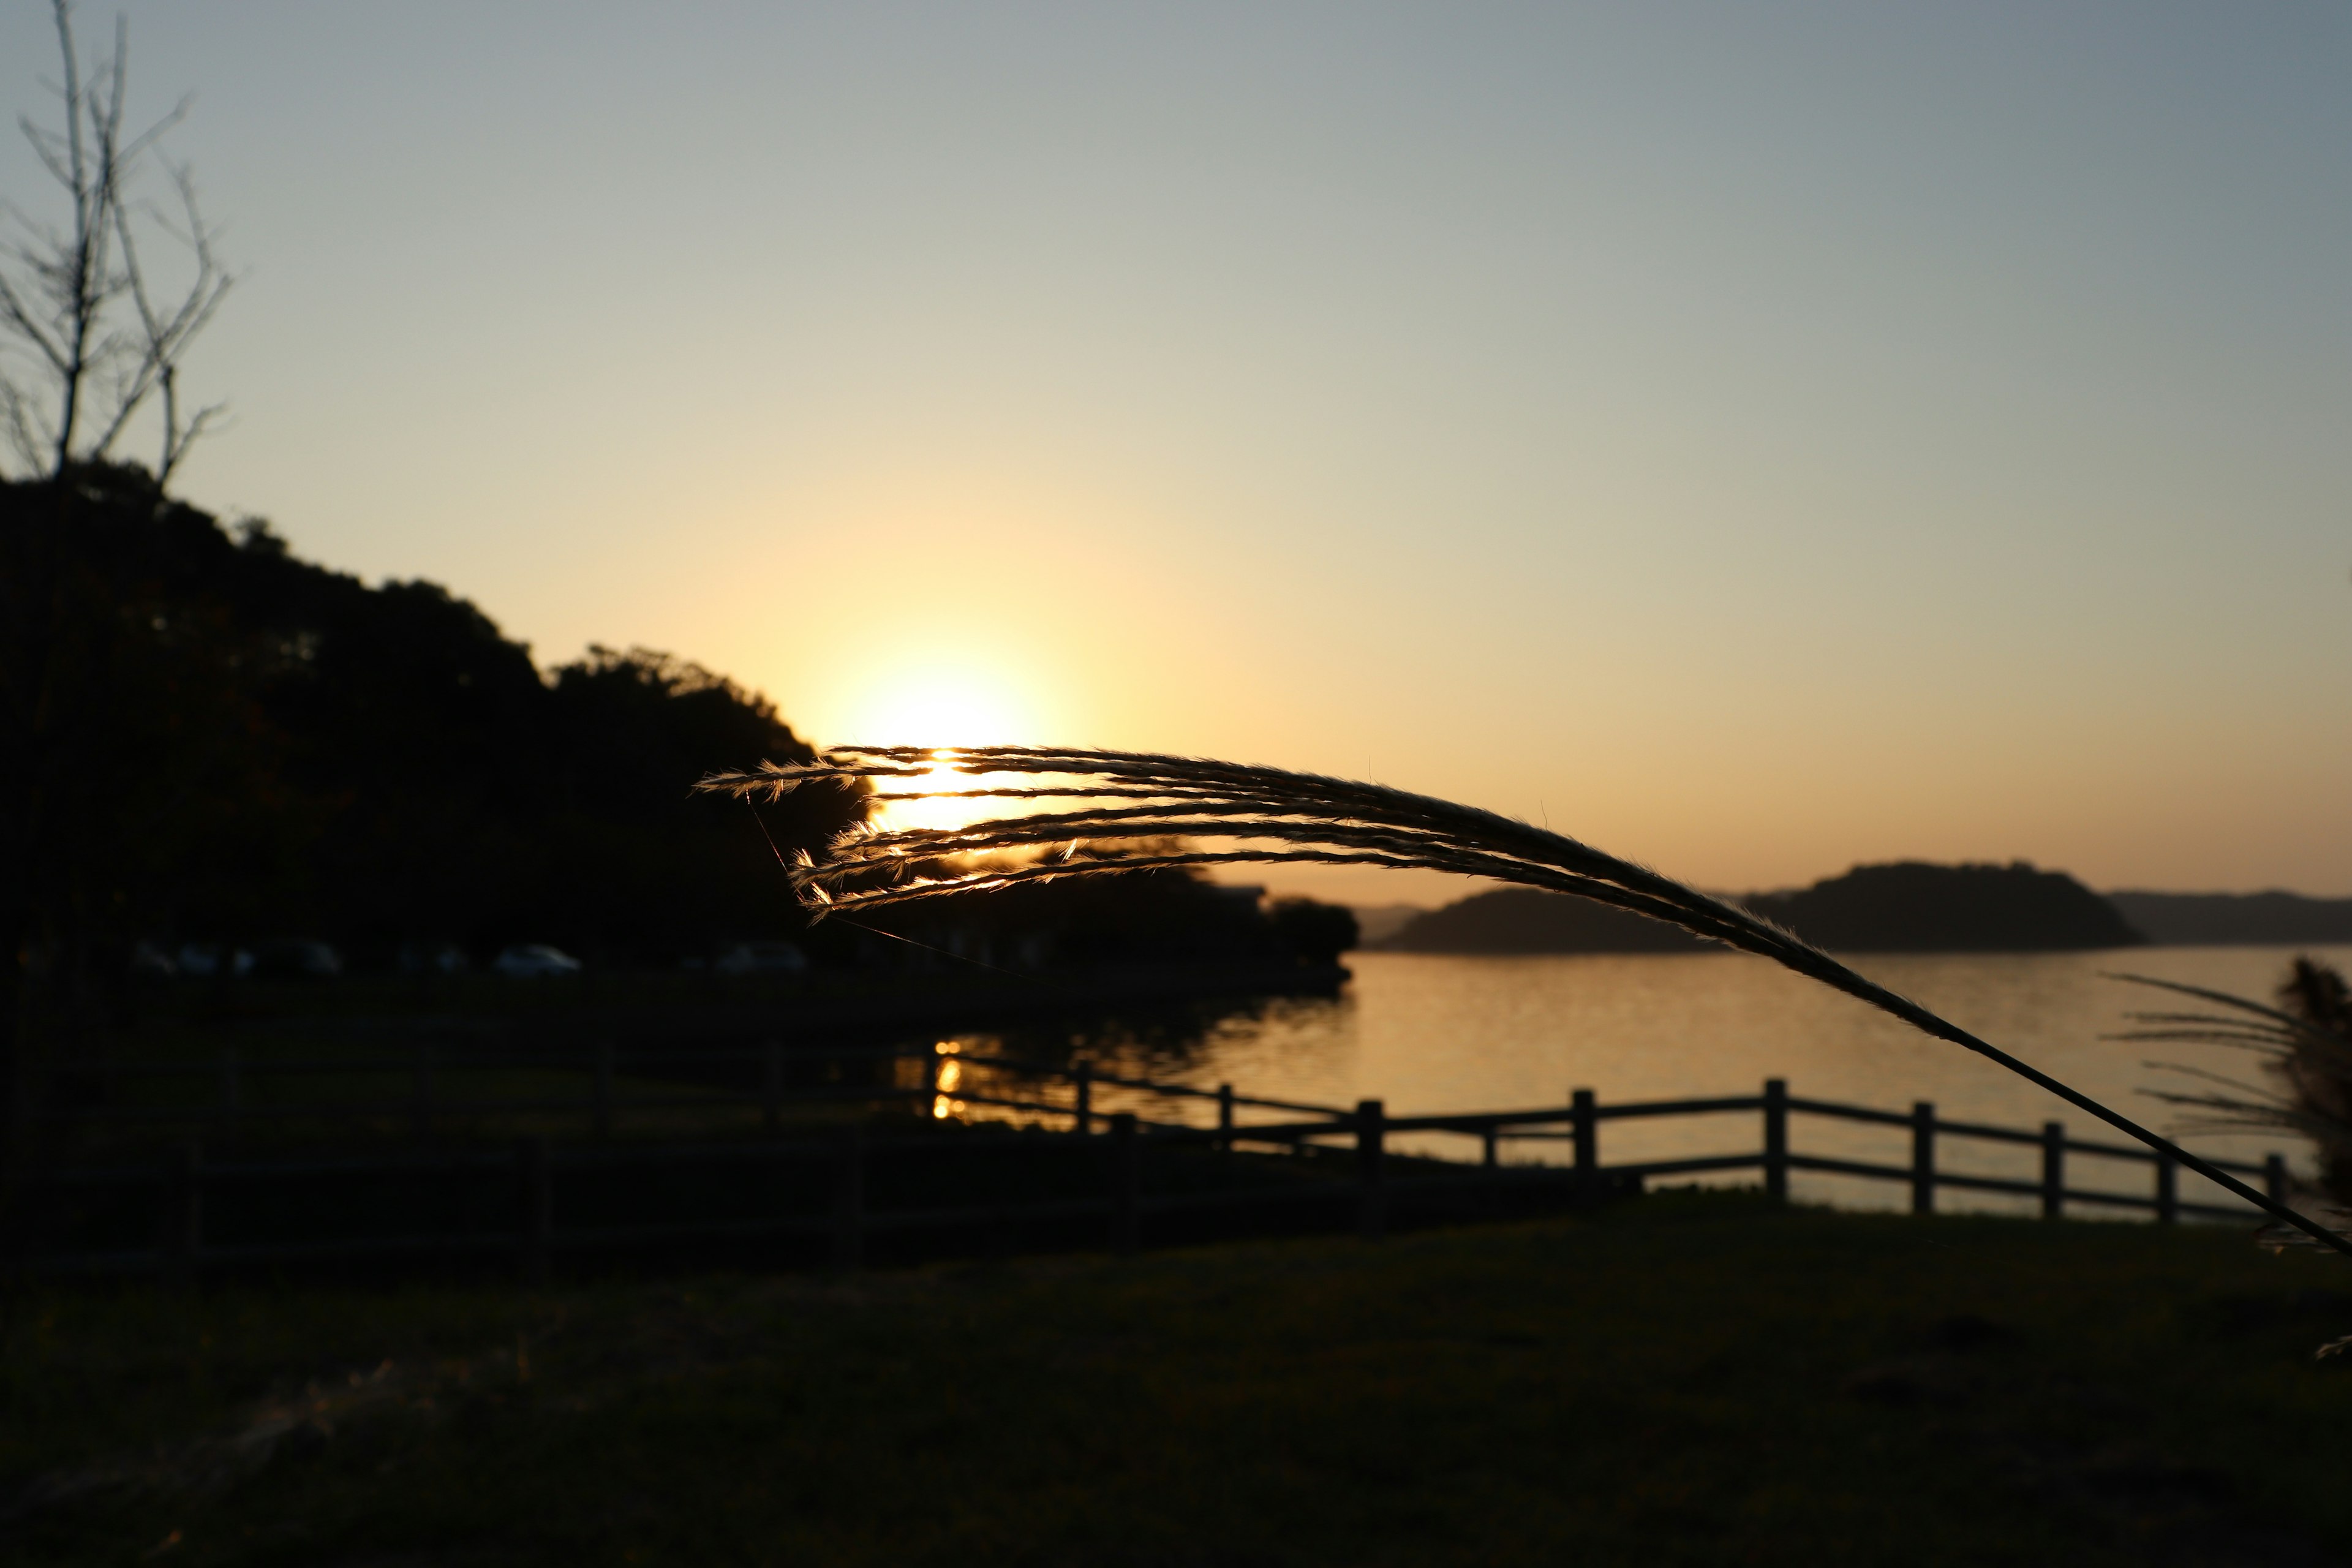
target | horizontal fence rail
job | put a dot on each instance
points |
(822, 1184)
(429, 1103)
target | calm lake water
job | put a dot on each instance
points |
(1429, 1033)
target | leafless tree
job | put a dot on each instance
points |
(86, 340)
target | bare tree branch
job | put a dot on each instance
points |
(81, 374)
(166, 336)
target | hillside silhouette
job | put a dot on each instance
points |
(2220, 920)
(1905, 907)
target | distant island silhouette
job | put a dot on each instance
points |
(1912, 906)
(1905, 907)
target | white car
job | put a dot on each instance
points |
(534, 960)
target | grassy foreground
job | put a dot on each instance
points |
(1691, 1379)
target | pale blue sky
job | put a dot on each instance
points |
(1756, 438)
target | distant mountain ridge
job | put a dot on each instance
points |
(2228, 919)
(1905, 907)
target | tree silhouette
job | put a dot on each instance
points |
(144, 774)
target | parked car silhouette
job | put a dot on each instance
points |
(532, 960)
(205, 959)
(761, 958)
(296, 960)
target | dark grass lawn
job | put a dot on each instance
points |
(1688, 1379)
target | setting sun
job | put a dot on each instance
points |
(944, 704)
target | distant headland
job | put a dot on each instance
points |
(1903, 907)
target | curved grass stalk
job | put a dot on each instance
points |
(1273, 816)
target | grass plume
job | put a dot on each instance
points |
(1108, 803)
(2302, 1045)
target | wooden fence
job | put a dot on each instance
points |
(828, 1170)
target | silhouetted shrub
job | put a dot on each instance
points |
(1316, 932)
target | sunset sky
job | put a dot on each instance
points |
(1756, 438)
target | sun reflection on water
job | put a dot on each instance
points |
(948, 1077)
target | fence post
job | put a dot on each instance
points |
(1127, 1182)
(1489, 1152)
(849, 1202)
(228, 1093)
(420, 1115)
(2053, 1169)
(2167, 1190)
(2276, 1185)
(1225, 1119)
(1371, 1204)
(538, 1227)
(20, 1090)
(1923, 1157)
(182, 1241)
(1586, 1125)
(927, 1080)
(1083, 1076)
(1776, 1139)
(602, 1100)
(772, 1087)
